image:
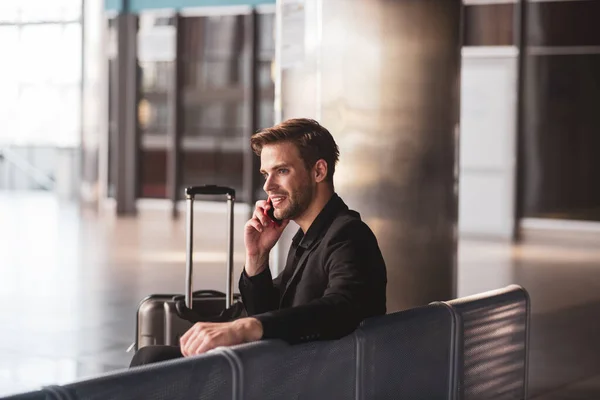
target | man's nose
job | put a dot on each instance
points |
(269, 185)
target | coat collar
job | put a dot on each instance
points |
(321, 223)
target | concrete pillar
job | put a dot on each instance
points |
(384, 78)
(126, 140)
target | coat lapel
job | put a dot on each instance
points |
(299, 268)
(313, 237)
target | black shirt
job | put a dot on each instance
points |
(334, 278)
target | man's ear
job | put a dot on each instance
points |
(320, 170)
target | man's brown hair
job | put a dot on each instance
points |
(312, 140)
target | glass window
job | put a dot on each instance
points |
(39, 110)
(156, 76)
(67, 132)
(40, 10)
(156, 46)
(153, 174)
(8, 110)
(561, 137)
(68, 50)
(9, 46)
(266, 96)
(38, 61)
(9, 11)
(266, 57)
(71, 9)
(40, 100)
(266, 35)
(490, 25)
(156, 55)
(214, 100)
(563, 23)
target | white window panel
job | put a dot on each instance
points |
(10, 129)
(40, 10)
(68, 52)
(71, 9)
(8, 94)
(68, 130)
(39, 107)
(9, 11)
(38, 56)
(9, 38)
(9, 46)
(40, 73)
(8, 111)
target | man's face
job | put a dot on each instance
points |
(287, 181)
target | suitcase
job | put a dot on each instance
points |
(162, 319)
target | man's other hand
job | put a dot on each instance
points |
(204, 336)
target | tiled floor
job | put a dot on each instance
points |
(560, 272)
(70, 282)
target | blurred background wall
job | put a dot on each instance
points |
(477, 126)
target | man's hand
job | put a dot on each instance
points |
(260, 235)
(206, 336)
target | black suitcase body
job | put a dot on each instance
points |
(162, 319)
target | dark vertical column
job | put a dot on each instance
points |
(252, 102)
(176, 122)
(386, 76)
(521, 33)
(126, 143)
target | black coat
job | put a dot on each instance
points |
(335, 277)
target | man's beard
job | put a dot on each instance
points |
(298, 200)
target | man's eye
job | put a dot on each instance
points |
(283, 171)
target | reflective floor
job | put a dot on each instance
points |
(70, 282)
(560, 272)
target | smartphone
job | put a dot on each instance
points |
(271, 213)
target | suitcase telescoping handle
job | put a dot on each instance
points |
(210, 189)
(190, 194)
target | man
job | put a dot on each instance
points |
(335, 275)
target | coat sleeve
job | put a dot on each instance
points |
(260, 293)
(355, 290)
